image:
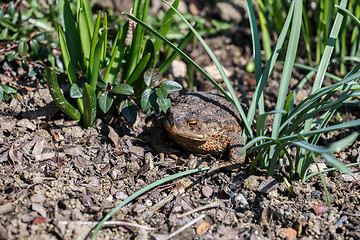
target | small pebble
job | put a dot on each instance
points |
(315, 194)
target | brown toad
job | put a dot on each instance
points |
(206, 123)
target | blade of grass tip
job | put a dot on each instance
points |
(142, 191)
(328, 170)
(234, 100)
(270, 65)
(326, 57)
(345, 12)
(287, 71)
(71, 33)
(256, 50)
(89, 16)
(134, 52)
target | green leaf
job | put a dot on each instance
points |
(334, 147)
(123, 88)
(89, 105)
(96, 63)
(11, 9)
(35, 46)
(171, 86)
(129, 111)
(146, 97)
(71, 33)
(165, 25)
(1, 93)
(151, 76)
(117, 53)
(336, 163)
(106, 99)
(161, 93)
(41, 36)
(58, 96)
(88, 13)
(33, 71)
(85, 34)
(11, 56)
(94, 41)
(23, 48)
(9, 90)
(76, 90)
(69, 66)
(164, 104)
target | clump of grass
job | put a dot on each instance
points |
(94, 72)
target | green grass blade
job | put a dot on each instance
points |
(136, 44)
(172, 57)
(88, 14)
(85, 38)
(166, 23)
(269, 66)
(287, 71)
(139, 69)
(345, 12)
(306, 34)
(71, 32)
(326, 57)
(292, 137)
(58, 96)
(334, 147)
(264, 29)
(260, 121)
(105, 32)
(89, 99)
(142, 191)
(113, 69)
(69, 66)
(96, 64)
(95, 37)
(256, 50)
(328, 50)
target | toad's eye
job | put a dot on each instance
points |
(192, 123)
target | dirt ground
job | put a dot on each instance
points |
(58, 179)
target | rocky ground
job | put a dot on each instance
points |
(58, 179)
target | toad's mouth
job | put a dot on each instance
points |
(177, 133)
